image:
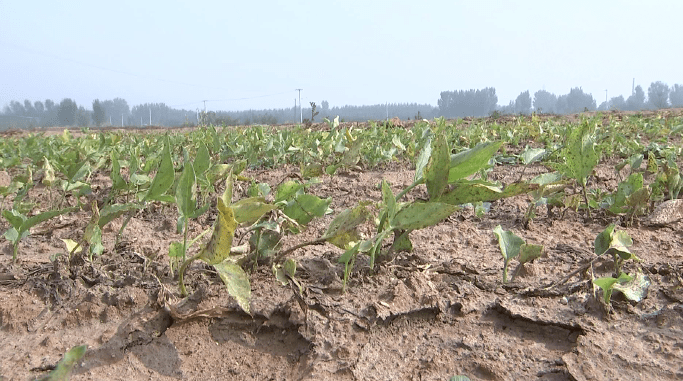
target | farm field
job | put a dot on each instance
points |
(514, 248)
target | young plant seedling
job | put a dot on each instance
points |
(512, 246)
(633, 287)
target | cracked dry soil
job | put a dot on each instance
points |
(439, 311)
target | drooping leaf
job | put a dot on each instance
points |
(342, 230)
(468, 162)
(421, 214)
(436, 172)
(237, 282)
(49, 173)
(218, 247)
(635, 288)
(249, 210)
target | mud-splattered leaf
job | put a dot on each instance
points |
(436, 172)
(580, 154)
(305, 207)
(218, 247)
(634, 289)
(466, 192)
(287, 190)
(236, 281)
(423, 159)
(342, 230)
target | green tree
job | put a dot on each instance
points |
(676, 95)
(98, 113)
(658, 95)
(68, 110)
(523, 103)
(637, 100)
(545, 102)
(83, 117)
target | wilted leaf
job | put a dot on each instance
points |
(634, 289)
(237, 282)
(218, 247)
(342, 230)
(529, 252)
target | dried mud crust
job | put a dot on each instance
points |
(427, 315)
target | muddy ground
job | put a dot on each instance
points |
(439, 311)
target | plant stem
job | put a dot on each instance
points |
(281, 254)
(181, 273)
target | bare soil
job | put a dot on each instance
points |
(439, 311)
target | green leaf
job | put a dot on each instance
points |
(113, 211)
(437, 171)
(218, 247)
(249, 210)
(266, 239)
(305, 207)
(165, 176)
(468, 162)
(471, 191)
(237, 282)
(49, 177)
(290, 267)
(287, 190)
(423, 159)
(185, 194)
(603, 240)
(202, 161)
(532, 154)
(389, 200)
(226, 197)
(35, 220)
(12, 235)
(175, 250)
(510, 244)
(580, 154)
(421, 214)
(66, 365)
(15, 218)
(117, 181)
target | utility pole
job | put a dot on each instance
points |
(205, 104)
(301, 111)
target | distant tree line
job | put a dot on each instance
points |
(451, 104)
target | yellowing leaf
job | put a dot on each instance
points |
(219, 246)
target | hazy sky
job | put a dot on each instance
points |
(346, 52)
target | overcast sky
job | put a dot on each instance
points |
(350, 52)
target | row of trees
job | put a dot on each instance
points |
(451, 104)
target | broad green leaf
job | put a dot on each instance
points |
(352, 156)
(532, 154)
(259, 190)
(603, 240)
(342, 230)
(607, 285)
(397, 142)
(140, 179)
(287, 190)
(466, 191)
(117, 181)
(402, 241)
(227, 193)
(165, 176)
(266, 240)
(237, 282)
(436, 172)
(185, 197)
(546, 178)
(389, 200)
(15, 218)
(218, 247)
(249, 210)
(349, 253)
(305, 207)
(421, 214)
(311, 170)
(175, 250)
(202, 161)
(510, 244)
(35, 220)
(529, 252)
(615, 242)
(290, 267)
(77, 171)
(468, 162)
(64, 367)
(12, 235)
